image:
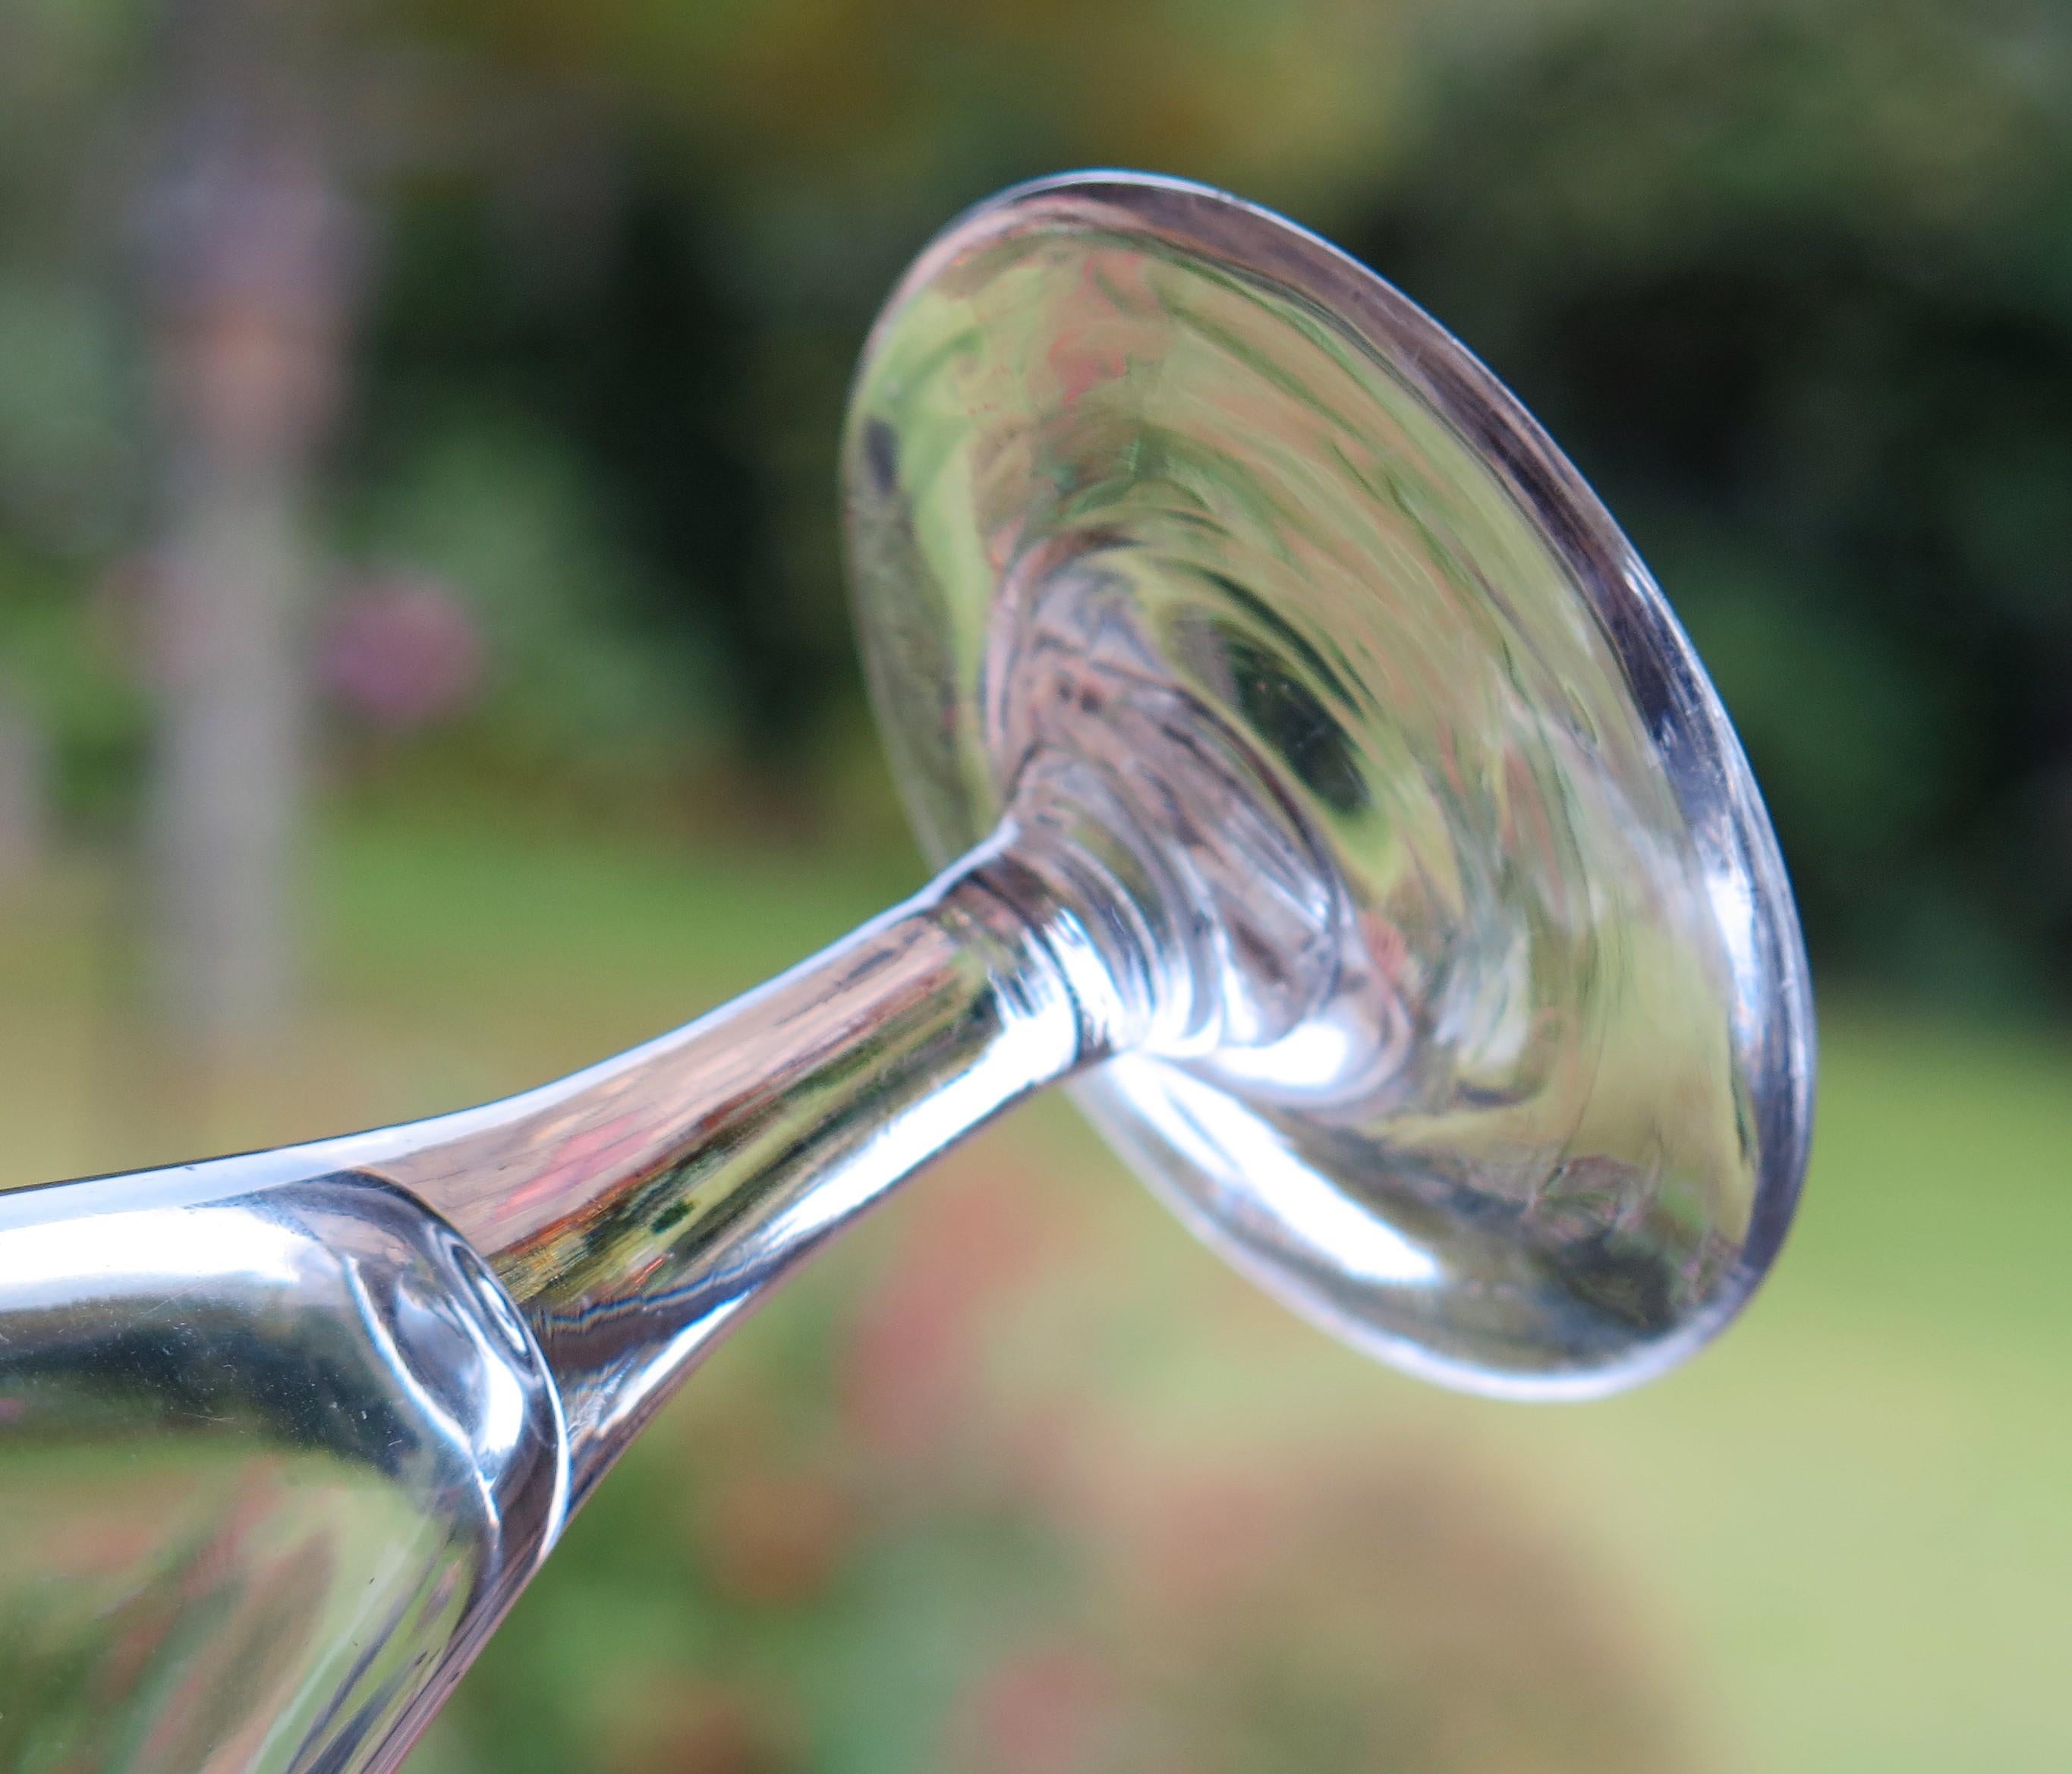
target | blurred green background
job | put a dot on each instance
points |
(423, 668)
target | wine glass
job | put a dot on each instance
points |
(1323, 793)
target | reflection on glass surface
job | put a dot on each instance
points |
(1162, 507)
(274, 1444)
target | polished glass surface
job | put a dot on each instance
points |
(1499, 1056)
(1321, 788)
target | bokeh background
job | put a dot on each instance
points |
(423, 668)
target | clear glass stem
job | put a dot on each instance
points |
(635, 1209)
(336, 1401)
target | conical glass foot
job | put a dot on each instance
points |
(1493, 1049)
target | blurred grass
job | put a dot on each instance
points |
(1837, 1542)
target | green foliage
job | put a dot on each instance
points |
(503, 511)
(66, 450)
(67, 672)
(1792, 283)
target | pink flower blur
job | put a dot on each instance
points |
(401, 653)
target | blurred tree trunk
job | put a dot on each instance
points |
(248, 290)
